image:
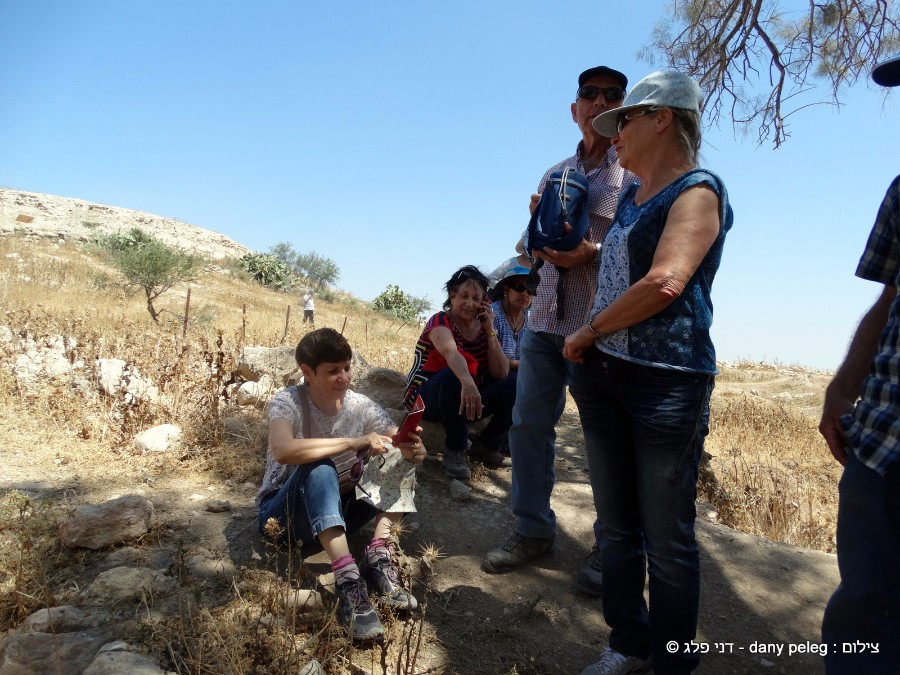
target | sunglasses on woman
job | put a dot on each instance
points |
(591, 92)
(625, 118)
(522, 288)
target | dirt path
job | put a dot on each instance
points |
(754, 592)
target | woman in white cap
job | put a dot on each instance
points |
(646, 375)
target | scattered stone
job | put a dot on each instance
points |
(765, 663)
(459, 491)
(218, 506)
(33, 652)
(160, 438)
(117, 377)
(64, 619)
(122, 584)
(302, 599)
(255, 393)
(276, 362)
(112, 522)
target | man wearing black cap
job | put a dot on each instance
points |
(861, 423)
(543, 372)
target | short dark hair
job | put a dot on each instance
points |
(461, 276)
(324, 345)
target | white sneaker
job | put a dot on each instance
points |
(613, 663)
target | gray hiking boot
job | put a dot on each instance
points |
(479, 450)
(613, 663)
(355, 611)
(589, 579)
(515, 552)
(383, 580)
(455, 465)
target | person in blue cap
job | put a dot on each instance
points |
(861, 424)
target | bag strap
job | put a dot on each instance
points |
(304, 405)
(561, 194)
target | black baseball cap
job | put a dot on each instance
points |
(602, 70)
(887, 73)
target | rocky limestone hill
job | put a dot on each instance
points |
(32, 213)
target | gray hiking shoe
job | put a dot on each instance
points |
(515, 552)
(355, 611)
(455, 465)
(613, 663)
(479, 450)
(589, 579)
(383, 580)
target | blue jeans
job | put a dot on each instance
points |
(540, 399)
(441, 394)
(865, 608)
(309, 502)
(643, 432)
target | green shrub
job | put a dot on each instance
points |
(268, 270)
(397, 303)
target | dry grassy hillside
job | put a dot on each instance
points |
(769, 473)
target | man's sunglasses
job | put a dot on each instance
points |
(522, 288)
(591, 92)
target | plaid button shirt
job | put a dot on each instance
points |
(873, 428)
(604, 185)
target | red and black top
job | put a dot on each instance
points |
(428, 360)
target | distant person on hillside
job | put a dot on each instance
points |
(309, 309)
(646, 370)
(460, 371)
(321, 435)
(559, 309)
(861, 423)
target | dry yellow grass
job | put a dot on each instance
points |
(769, 473)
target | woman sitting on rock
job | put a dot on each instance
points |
(460, 371)
(320, 435)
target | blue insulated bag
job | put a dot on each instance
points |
(564, 200)
(560, 221)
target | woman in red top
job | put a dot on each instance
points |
(460, 372)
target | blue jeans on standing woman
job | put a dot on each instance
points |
(441, 394)
(644, 429)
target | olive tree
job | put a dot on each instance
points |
(152, 267)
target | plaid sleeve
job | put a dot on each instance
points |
(881, 259)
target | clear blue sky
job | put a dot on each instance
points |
(403, 139)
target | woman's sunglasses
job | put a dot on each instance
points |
(359, 466)
(522, 288)
(591, 92)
